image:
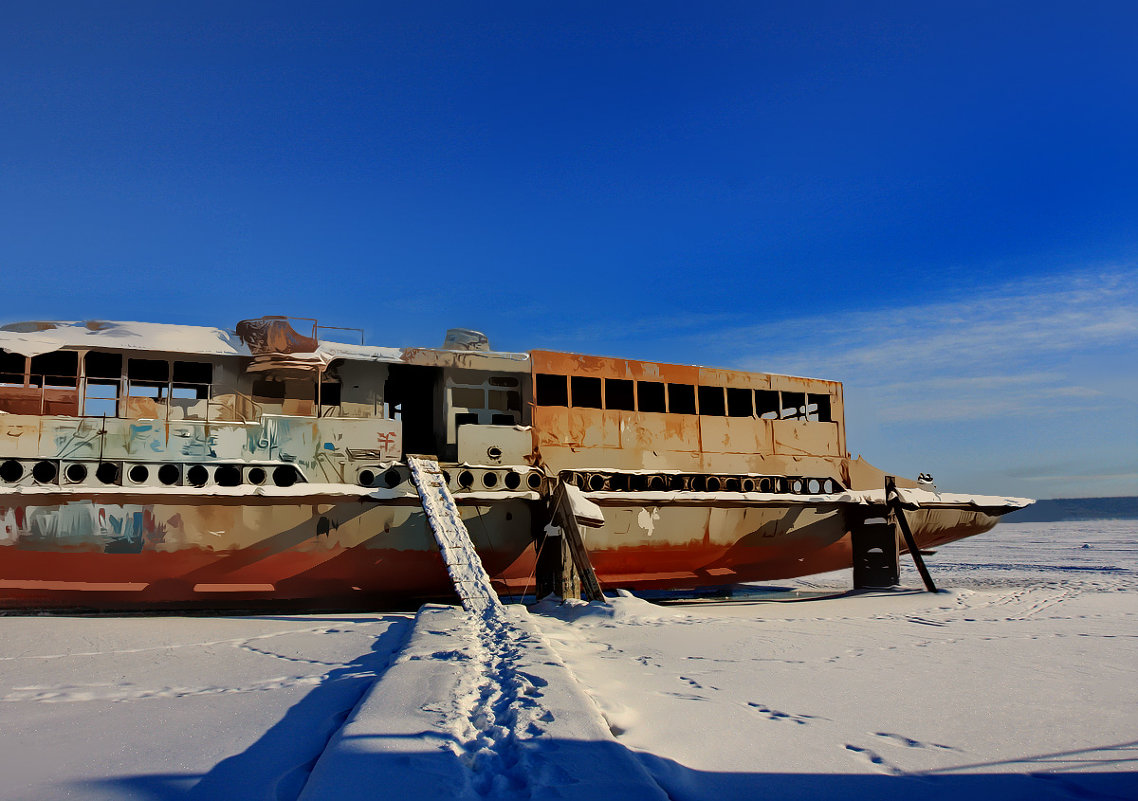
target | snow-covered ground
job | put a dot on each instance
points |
(1019, 681)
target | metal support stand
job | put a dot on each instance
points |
(893, 500)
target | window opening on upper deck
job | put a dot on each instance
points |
(711, 402)
(12, 367)
(56, 369)
(619, 394)
(650, 396)
(740, 402)
(793, 406)
(767, 404)
(103, 373)
(681, 398)
(551, 390)
(818, 408)
(586, 392)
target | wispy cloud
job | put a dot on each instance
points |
(1012, 349)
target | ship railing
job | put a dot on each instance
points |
(25, 392)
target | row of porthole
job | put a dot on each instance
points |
(111, 473)
(698, 482)
(465, 479)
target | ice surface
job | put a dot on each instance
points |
(179, 707)
(1019, 681)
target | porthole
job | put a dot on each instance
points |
(169, 474)
(138, 473)
(814, 486)
(698, 483)
(748, 485)
(828, 486)
(765, 485)
(513, 480)
(533, 480)
(713, 484)
(45, 472)
(731, 485)
(656, 484)
(76, 473)
(256, 475)
(796, 485)
(466, 479)
(107, 473)
(489, 479)
(228, 475)
(11, 471)
(392, 478)
(596, 482)
(284, 476)
(366, 478)
(197, 475)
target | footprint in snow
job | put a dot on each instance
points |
(777, 715)
(874, 759)
(909, 742)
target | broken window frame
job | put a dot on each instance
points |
(620, 394)
(550, 389)
(647, 391)
(712, 401)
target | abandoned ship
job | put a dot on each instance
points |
(147, 465)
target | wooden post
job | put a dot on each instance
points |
(893, 499)
(566, 569)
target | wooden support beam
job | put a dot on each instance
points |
(575, 558)
(893, 499)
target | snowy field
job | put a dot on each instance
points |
(1019, 681)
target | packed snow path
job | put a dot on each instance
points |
(478, 708)
(463, 563)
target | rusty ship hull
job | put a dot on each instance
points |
(146, 466)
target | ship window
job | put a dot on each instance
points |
(147, 390)
(618, 394)
(586, 392)
(819, 408)
(329, 393)
(503, 420)
(468, 397)
(12, 368)
(506, 400)
(103, 365)
(148, 370)
(739, 402)
(193, 372)
(711, 402)
(189, 391)
(681, 398)
(265, 389)
(793, 405)
(650, 396)
(552, 390)
(101, 398)
(465, 418)
(767, 403)
(56, 369)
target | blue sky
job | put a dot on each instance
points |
(935, 203)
